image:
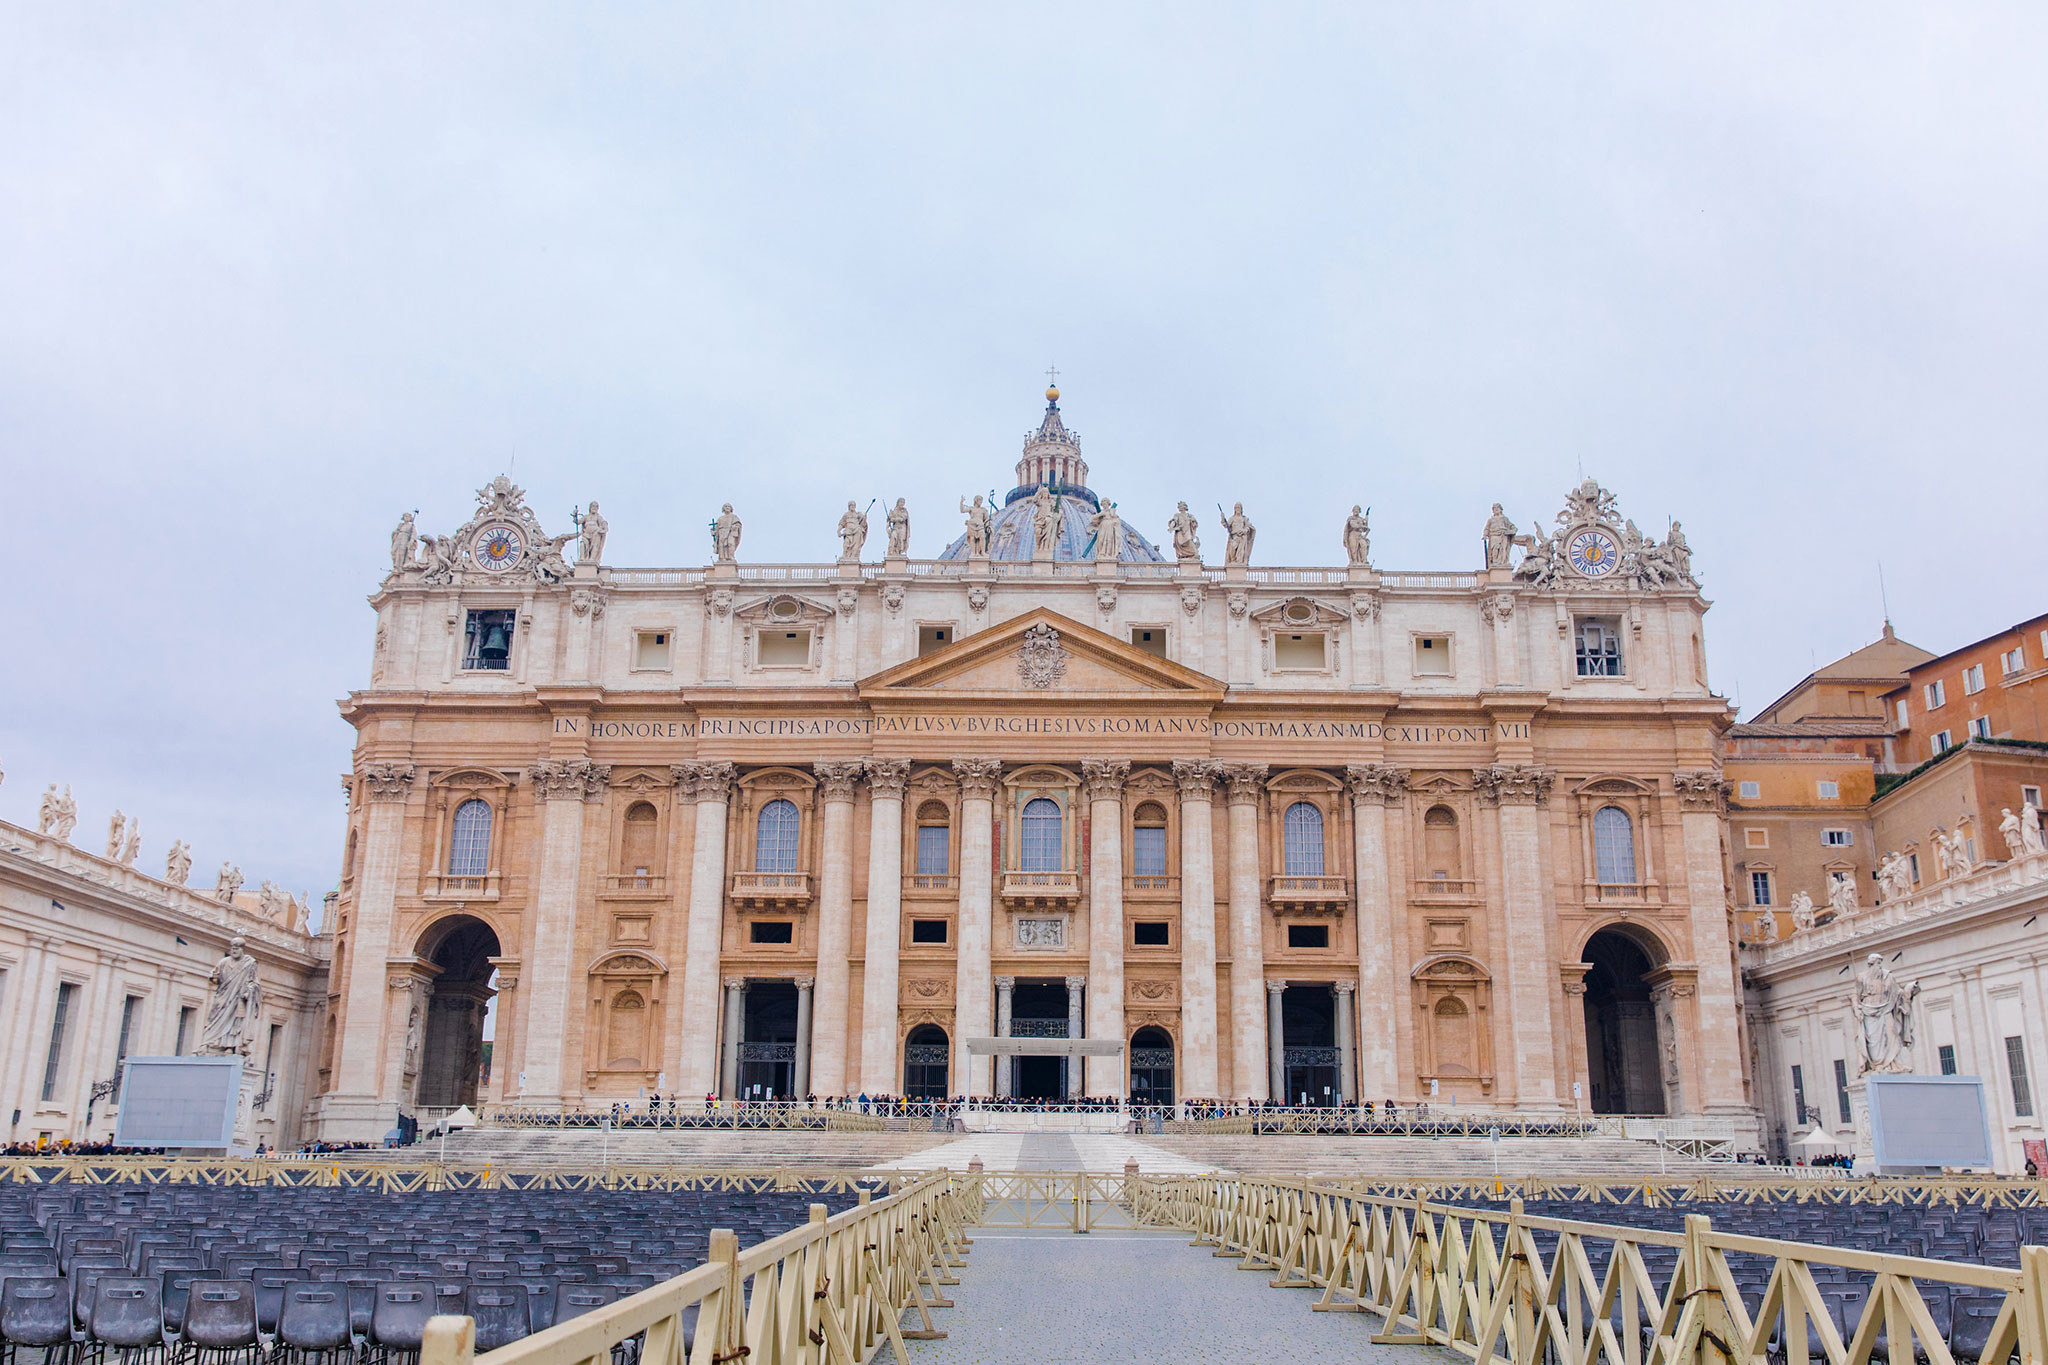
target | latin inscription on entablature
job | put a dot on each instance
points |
(1078, 724)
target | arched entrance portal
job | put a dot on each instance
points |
(458, 1006)
(1621, 1027)
(1151, 1067)
(925, 1058)
(768, 1046)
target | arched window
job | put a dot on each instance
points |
(469, 841)
(1614, 847)
(636, 849)
(628, 1030)
(1440, 844)
(1453, 1031)
(775, 838)
(934, 840)
(1302, 836)
(1148, 841)
(1039, 849)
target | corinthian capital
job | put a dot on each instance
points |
(1104, 777)
(388, 781)
(836, 778)
(1375, 783)
(1242, 782)
(708, 781)
(559, 778)
(1195, 778)
(1700, 790)
(1513, 784)
(978, 777)
(887, 777)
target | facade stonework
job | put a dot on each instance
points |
(1334, 833)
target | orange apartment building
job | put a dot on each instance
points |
(1990, 689)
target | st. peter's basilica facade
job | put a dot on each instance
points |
(1061, 812)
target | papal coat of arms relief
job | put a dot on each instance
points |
(1043, 659)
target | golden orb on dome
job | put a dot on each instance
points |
(1052, 394)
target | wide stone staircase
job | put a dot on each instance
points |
(558, 1148)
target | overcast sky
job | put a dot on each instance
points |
(272, 274)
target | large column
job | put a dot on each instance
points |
(1520, 790)
(1004, 986)
(555, 980)
(1105, 782)
(1702, 798)
(978, 778)
(1380, 988)
(1244, 784)
(735, 1033)
(24, 993)
(835, 927)
(800, 1084)
(1276, 1042)
(1347, 1077)
(354, 1108)
(710, 787)
(1075, 986)
(879, 1059)
(1198, 1078)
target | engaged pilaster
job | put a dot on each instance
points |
(1005, 987)
(710, 786)
(879, 1061)
(564, 787)
(1347, 1077)
(1519, 791)
(387, 787)
(1244, 783)
(1199, 1075)
(802, 1084)
(1702, 802)
(836, 781)
(735, 1032)
(1105, 779)
(1076, 985)
(1372, 786)
(976, 945)
(1276, 1045)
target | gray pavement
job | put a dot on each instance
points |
(1052, 1297)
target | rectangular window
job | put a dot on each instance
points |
(1842, 1109)
(1835, 838)
(930, 638)
(54, 1063)
(1935, 694)
(487, 640)
(1913, 865)
(1980, 727)
(2013, 660)
(1598, 647)
(934, 850)
(1759, 888)
(1750, 791)
(1299, 651)
(2015, 1062)
(773, 931)
(1940, 743)
(1947, 1053)
(1151, 639)
(184, 1030)
(1148, 851)
(1798, 1097)
(1308, 935)
(1432, 656)
(650, 649)
(927, 931)
(1973, 680)
(270, 1061)
(1756, 838)
(1149, 933)
(127, 1029)
(1828, 791)
(783, 648)
(2030, 796)
(1905, 719)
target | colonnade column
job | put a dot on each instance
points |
(878, 1053)
(563, 787)
(1244, 782)
(1347, 1076)
(1004, 986)
(1198, 1078)
(710, 787)
(1372, 786)
(1702, 797)
(1518, 790)
(1105, 782)
(827, 1035)
(978, 777)
(800, 1083)
(1075, 985)
(735, 1029)
(1276, 1042)
(360, 1039)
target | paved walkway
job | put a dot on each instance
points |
(1052, 1298)
(1046, 1152)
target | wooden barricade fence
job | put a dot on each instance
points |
(1480, 1282)
(829, 1291)
(391, 1177)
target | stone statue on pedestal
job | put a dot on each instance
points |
(1842, 897)
(59, 814)
(117, 830)
(131, 847)
(1883, 1009)
(1767, 926)
(231, 1010)
(2031, 836)
(1108, 526)
(1358, 538)
(1238, 549)
(1045, 523)
(1187, 545)
(853, 533)
(725, 535)
(1500, 536)
(977, 527)
(591, 532)
(1802, 912)
(402, 539)
(227, 883)
(178, 862)
(899, 530)
(1895, 877)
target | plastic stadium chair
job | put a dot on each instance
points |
(35, 1311)
(399, 1317)
(128, 1314)
(220, 1320)
(313, 1322)
(500, 1312)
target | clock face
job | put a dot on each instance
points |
(1593, 553)
(497, 548)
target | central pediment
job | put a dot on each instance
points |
(1041, 655)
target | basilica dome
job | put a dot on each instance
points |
(1051, 475)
